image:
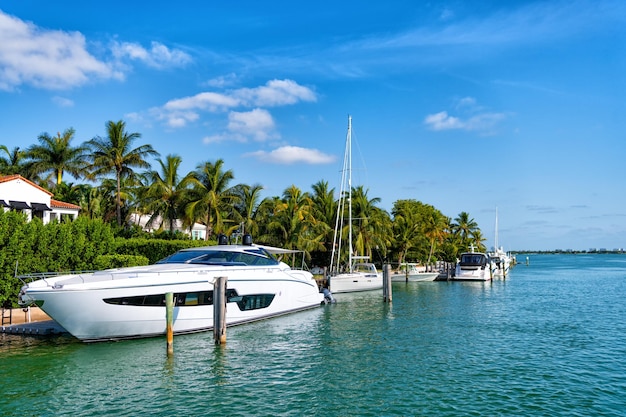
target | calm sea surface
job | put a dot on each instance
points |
(549, 340)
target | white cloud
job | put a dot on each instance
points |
(50, 59)
(483, 123)
(257, 124)
(210, 101)
(442, 121)
(62, 101)
(179, 112)
(158, 56)
(287, 155)
(475, 118)
(207, 140)
(275, 93)
(466, 102)
(222, 81)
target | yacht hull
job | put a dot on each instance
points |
(355, 282)
(416, 277)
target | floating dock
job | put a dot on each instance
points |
(38, 328)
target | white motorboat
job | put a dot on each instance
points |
(474, 266)
(411, 272)
(130, 302)
(361, 275)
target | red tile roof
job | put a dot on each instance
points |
(53, 203)
(62, 204)
(19, 177)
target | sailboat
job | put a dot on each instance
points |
(358, 275)
(499, 257)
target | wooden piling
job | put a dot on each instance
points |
(219, 310)
(387, 283)
(169, 320)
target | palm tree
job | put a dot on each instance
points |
(477, 240)
(166, 190)
(209, 195)
(249, 202)
(56, 155)
(373, 224)
(70, 192)
(324, 209)
(13, 162)
(463, 227)
(114, 154)
(435, 230)
(293, 225)
(407, 227)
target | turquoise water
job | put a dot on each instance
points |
(550, 340)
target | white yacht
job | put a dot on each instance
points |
(410, 272)
(130, 302)
(474, 266)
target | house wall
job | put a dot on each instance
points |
(19, 189)
(198, 231)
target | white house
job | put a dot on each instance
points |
(197, 232)
(18, 193)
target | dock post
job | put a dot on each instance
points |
(387, 283)
(169, 320)
(219, 310)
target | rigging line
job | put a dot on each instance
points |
(361, 158)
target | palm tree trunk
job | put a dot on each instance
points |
(118, 200)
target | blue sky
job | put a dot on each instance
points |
(466, 106)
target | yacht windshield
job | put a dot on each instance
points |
(249, 256)
(472, 259)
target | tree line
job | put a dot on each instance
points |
(121, 182)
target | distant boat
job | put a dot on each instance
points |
(129, 302)
(361, 275)
(411, 272)
(474, 266)
(500, 259)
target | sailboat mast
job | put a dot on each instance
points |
(349, 140)
(496, 234)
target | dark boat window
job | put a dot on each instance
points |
(180, 299)
(252, 256)
(472, 260)
(255, 301)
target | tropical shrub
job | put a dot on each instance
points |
(155, 249)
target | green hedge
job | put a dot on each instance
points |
(155, 249)
(29, 247)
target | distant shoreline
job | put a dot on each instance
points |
(570, 252)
